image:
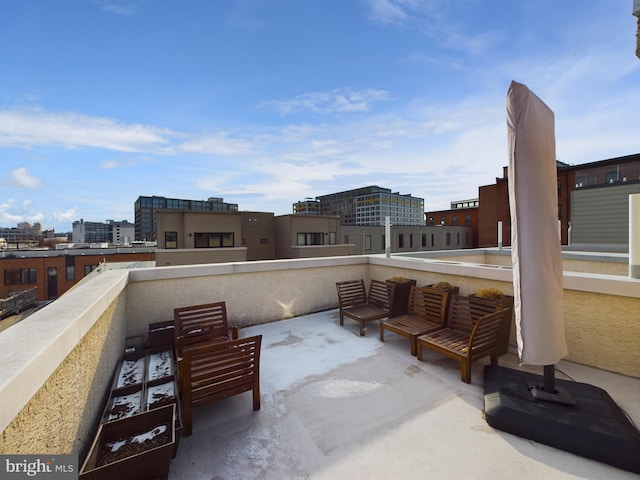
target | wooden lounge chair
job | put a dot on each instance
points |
(427, 310)
(355, 304)
(214, 371)
(471, 333)
(201, 323)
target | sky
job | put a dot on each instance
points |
(267, 102)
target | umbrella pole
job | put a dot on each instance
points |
(548, 392)
(549, 379)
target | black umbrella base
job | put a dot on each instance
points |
(593, 427)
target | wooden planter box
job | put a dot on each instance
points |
(505, 329)
(399, 303)
(145, 380)
(139, 446)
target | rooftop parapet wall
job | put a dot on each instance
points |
(51, 386)
(57, 365)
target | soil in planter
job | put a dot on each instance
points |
(160, 395)
(132, 372)
(125, 405)
(160, 365)
(129, 446)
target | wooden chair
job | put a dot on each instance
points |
(201, 323)
(214, 371)
(472, 332)
(426, 312)
(354, 302)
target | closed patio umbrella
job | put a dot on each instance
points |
(573, 416)
(536, 253)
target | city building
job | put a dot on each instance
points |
(54, 272)
(366, 206)
(592, 205)
(112, 232)
(309, 206)
(206, 237)
(146, 208)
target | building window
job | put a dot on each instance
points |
(20, 276)
(89, 268)
(448, 238)
(455, 219)
(467, 219)
(433, 240)
(442, 220)
(367, 243)
(71, 272)
(458, 238)
(411, 240)
(401, 240)
(170, 239)
(311, 238)
(424, 240)
(611, 177)
(213, 240)
(332, 238)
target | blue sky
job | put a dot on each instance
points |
(266, 102)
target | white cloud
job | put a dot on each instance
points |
(22, 178)
(28, 128)
(119, 8)
(12, 213)
(339, 100)
(219, 144)
(67, 216)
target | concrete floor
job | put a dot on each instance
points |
(336, 405)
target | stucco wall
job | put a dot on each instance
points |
(60, 418)
(265, 292)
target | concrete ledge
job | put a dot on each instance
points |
(32, 350)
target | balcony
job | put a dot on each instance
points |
(334, 404)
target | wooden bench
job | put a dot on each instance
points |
(354, 302)
(427, 309)
(214, 371)
(471, 333)
(201, 323)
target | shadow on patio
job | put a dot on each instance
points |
(337, 405)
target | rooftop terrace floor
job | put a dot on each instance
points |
(336, 405)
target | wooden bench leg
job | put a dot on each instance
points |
(381, 332)
(413, 340)
(419, 350)
(465, 370)
(362, 329)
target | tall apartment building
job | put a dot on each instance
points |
(367, 206)
(113, 232)
(146, 226)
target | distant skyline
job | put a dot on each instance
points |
(267, 102)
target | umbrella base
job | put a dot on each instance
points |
(594, 427)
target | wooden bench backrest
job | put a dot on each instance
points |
(464, 312)
(380, 293)
(206, 321)
(487, 333)
(215, 371)
(428, 303)
(351, 292)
